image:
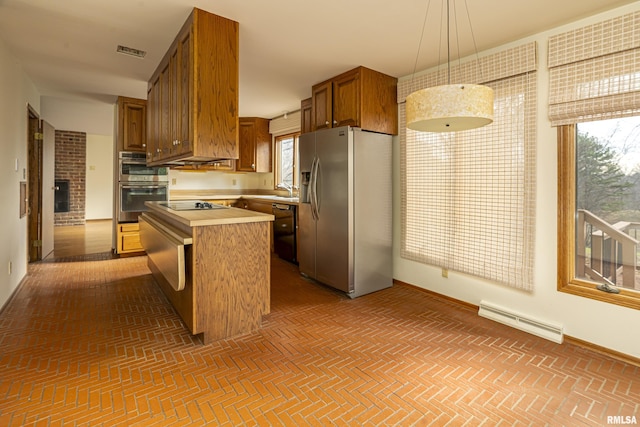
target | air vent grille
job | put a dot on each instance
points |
(131, 51)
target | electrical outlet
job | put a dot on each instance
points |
(445, 273)
(233, 181)
(173, 181)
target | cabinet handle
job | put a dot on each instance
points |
(253, 166)
(158, 150)
(327, 123)
(144, 145)
(335, 122)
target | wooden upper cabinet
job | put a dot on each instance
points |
(255, 145)
(360, 97)
(322, 106)
(132, 124)
(305, 115)
(195, 113)
(346, 99)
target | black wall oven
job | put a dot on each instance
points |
(139, 183)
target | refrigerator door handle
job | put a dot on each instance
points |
(314, 195)
(311, 186)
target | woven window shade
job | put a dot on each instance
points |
(595, 71)
(282, 126)
(468, 198)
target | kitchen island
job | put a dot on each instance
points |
(213, 266)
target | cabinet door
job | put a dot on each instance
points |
(184, 135)
(305, 115)
(247, 160)
(164, 141)
(174, 104)
(133, 127)
(153, 119)
(321, 106)
(346, 100)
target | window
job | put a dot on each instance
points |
(468, 198)
(286, 154)
(599, 210)
(594, 99)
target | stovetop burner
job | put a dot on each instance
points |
(203, 205)
(191, 205)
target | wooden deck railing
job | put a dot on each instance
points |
(611, 248)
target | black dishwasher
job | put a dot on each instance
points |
(284, 232)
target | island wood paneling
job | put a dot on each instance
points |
(231, 265)
(228, 278)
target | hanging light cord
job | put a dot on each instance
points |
(448, 48)
(473, 38)
(424, 25)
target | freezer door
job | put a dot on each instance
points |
(306, 222)
(334, 244)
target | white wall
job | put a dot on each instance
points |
(599, 323)
(17, 91)
(79, 115)
(99, 177)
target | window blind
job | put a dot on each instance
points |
(282, 126)
(468, 198)
(594, 71)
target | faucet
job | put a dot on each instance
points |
(287, 187)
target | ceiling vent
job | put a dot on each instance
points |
(131, 51)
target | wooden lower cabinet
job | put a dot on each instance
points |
(128, 238)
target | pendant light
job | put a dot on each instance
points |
(450, 107)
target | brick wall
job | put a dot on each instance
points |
(71, 153)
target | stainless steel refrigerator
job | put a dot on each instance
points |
(345, 210)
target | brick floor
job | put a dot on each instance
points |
(92, 341)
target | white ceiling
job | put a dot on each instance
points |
(68, 47)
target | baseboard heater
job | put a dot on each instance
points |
(550, 331)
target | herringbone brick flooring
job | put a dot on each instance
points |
(96, 343)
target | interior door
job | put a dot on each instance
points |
(48, 187)
(34, 183)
